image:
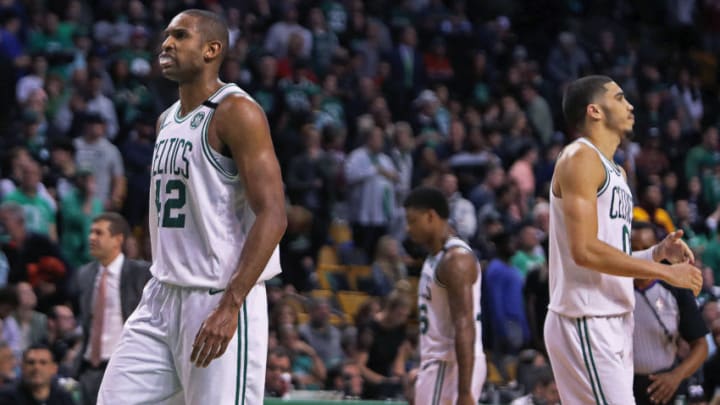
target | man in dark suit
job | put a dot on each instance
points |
(108, 290)
(407, 73)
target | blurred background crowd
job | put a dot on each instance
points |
(366, 99)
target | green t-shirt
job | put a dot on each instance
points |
(39, 214)
(711, 256)
(697, 158)
(76, 228)
(524, 261)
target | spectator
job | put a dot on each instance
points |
(308, 369)
(567, 60)
(522, 172)
(652, 160)
(278, 36)
(484, 194)
(371, 178)
(503, 306)
(529, 255)
(77, 211)
(62, 167)
(277, 376)
(463, 217)
(701, 157)
(37, 382)
(10, 332)
(379, 345)
(32, 257)
(65, 338)
(137, 152)
(663, 314)
(388, 267)
(8, 366)
(543, 389)
(348, 380)
(32, 324)
(650, 209)
(323, 337)
(95, 153)
(711, 370)
(538, 113)
(39, 214)
(324, 41)
(100, 104)
(407, 72)
(108, 291)
(309, 182)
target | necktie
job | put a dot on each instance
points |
(98, 319)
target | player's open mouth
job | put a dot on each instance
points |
(165, 60)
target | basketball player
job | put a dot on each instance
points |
(199, 334)
(589, 326)
(452, 363)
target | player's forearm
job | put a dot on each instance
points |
(261, 240)
(694, 360)
(600, 256)
(465, 356)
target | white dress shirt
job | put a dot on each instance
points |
(113, 321)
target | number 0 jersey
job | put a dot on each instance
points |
(576, 291)
(199, 212)
(437, 333)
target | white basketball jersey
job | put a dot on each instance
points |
(437, 334)
(199, 213)
(577, 291)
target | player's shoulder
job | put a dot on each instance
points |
(239, 105)
(577, 158)
(458, 256)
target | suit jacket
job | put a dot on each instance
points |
(133, 277)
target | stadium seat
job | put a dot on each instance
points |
(351, 301)
(327, 255)
(333, 277)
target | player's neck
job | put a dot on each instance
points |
(606, 141)
(438, 242)
(192, 94)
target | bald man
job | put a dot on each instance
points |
(199, 334)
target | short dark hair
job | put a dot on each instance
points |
(39, 346)
(428, 198)
(8, 295)
(214, 28)
(279, 351)
(118, 224)
(578, 95)
(543, 376)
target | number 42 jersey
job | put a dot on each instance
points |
(199, 212)
(437, 333)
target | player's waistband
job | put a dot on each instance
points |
(586, 316)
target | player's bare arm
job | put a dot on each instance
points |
(578, 176)
(672, 248)
(458, 272)
(240, 124)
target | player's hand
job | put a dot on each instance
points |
(465, 399)
(674, 249)
(685, 275)
(663, 387)
(214, 335)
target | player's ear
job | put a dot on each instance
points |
(213, 49)
(594, 111)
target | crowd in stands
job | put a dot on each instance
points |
(366, 99)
